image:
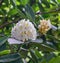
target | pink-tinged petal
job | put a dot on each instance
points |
(14, 41)
(54, 27)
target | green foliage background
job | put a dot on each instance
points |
(46, 49)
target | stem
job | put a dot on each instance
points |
(18, 48)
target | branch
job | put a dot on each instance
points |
(53, 11)
(7, 23)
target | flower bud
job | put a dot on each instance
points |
(44, 26)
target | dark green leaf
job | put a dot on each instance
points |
(46, 3)
(11, 58)
(3, 40)
(34, 56)
(42, 47)
(29, 12)
(41, 7)
(54, 1)
(13, 2)
(55, 60)
(3, 47)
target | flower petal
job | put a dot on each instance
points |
(54, 27)
(14, 41)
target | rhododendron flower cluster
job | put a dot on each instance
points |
(24, 30)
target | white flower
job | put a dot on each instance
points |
(44, 26)
(23, 31)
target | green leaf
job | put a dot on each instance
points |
(41, 7)
(3, 40)
(46, 3)
(49, 56)
(58, 1)
(32, 2)
(2, 12)
(3, 47)
(37, 53)
(6, 2)
(4, 52)
(29, 12)
(55, 60)
(43, 60)
(21, 13)
(17, 9)
(42, 47)
(54, 1)
(24, 2)
(23, 53)
(11, 58)
(13, 12)
(34, 56)
(3, 43)
(13, 2)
